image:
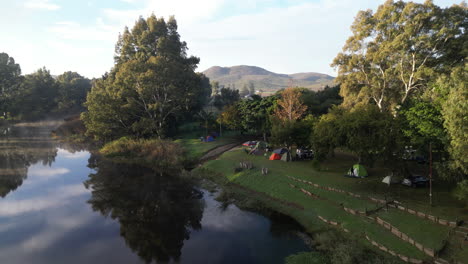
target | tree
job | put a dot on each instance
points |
(36, 96)
(72, 89)
(255, 114)
(244, 91)
(319, 102)
(230, 117)
(326, 135)
(251, 88)
(226, 97)
(364, 130)
(394, 52)
(292, 132)
(10, 77)
(424, 124)
(214, 89)
(290, 107)
(152, 83)
(454, 112)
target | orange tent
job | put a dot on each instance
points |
(275, 156)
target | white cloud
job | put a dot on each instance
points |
(46, 172)
(56, 229)
(69, 155)
(41, 4)
(57, 197)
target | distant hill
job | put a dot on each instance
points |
(264, 80)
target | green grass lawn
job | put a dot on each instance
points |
(275, 184)
(423, 231)
(196, 148)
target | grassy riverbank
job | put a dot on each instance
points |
(280, 190)
(275, 191)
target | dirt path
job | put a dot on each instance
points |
(216, 152)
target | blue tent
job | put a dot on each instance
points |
(209, 139)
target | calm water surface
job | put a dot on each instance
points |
(60, 204)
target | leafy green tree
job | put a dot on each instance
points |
(319, 102)
(454, 111)
(151, 85)
(292, 132)
(226, 97)
(73, 89)
(327, 135)
(37, 95)
(425, 124)
(364, 130)
(394, 52)
(10, 78)
(230, 118)
(255, 114)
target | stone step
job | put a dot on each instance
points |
(441, 261)
(461, 233)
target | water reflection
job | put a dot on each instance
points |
(20, 147)
(156, 211)
(153, 216)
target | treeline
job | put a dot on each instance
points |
(39, 95)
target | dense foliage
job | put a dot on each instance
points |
(38, 95)
(152, 85)
(394, 52)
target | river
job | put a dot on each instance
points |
(61, 204)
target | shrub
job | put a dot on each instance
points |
(153, 153)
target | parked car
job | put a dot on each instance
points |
(304, 153)
(416, 181)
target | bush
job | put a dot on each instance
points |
(306, 257)
(344, 250)
(153, 153)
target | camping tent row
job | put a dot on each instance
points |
(281, 154)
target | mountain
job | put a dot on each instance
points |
(265, 80)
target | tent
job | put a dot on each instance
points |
(209, 139)
(286, 156)
(275, 156)
(261, 145)
(387, 180)
(259, 149)
(390, 180)
(280, 151)
(357, 171)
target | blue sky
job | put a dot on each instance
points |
(284, 36)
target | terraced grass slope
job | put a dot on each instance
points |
(330, 204)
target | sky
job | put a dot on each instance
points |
(283, 36)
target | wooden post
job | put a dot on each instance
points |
(430, 173)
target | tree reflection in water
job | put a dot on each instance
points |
(20, 147)
(156, 210)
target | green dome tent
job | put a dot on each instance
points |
(357, 171)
